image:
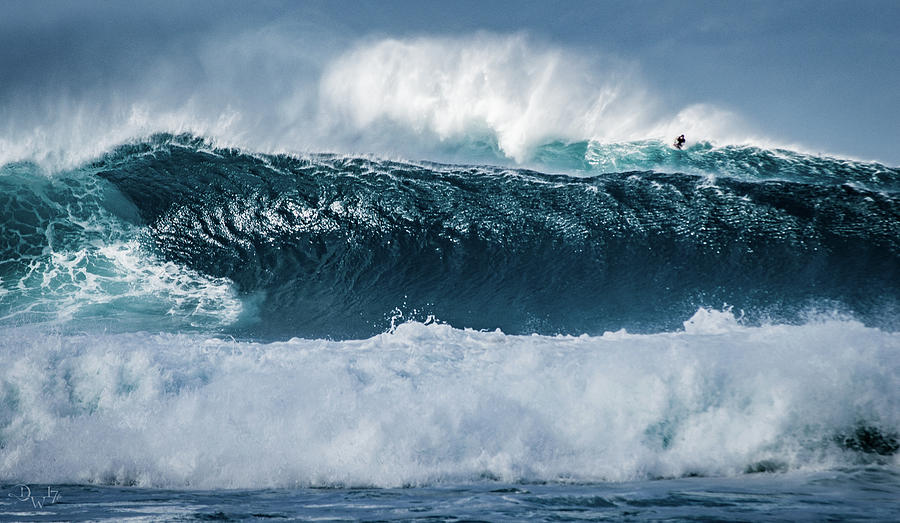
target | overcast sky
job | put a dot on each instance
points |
(824, 74)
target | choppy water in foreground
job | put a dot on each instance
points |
(860, 494)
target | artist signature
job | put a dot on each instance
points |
(23, 493)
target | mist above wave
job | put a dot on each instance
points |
(274, 90)
(506, 88)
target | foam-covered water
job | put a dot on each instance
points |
(428, 403)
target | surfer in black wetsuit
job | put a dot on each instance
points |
(679, 142)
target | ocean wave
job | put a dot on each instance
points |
(331, 245)
(172, 232)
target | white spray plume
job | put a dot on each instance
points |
(273, 90)
(522, 93)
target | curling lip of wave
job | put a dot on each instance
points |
(73, 249)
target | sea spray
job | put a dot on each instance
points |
(418, 98)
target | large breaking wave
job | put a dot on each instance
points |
(332, 246)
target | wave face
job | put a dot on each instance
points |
(330, 246)
(176, 233)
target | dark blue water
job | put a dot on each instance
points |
(865, 494)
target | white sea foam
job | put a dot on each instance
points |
(429, 403)
(119, 280)
(74, 259)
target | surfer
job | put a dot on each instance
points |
(679, 142)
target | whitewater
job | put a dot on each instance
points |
(440, 278)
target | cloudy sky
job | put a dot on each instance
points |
(822, 75)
